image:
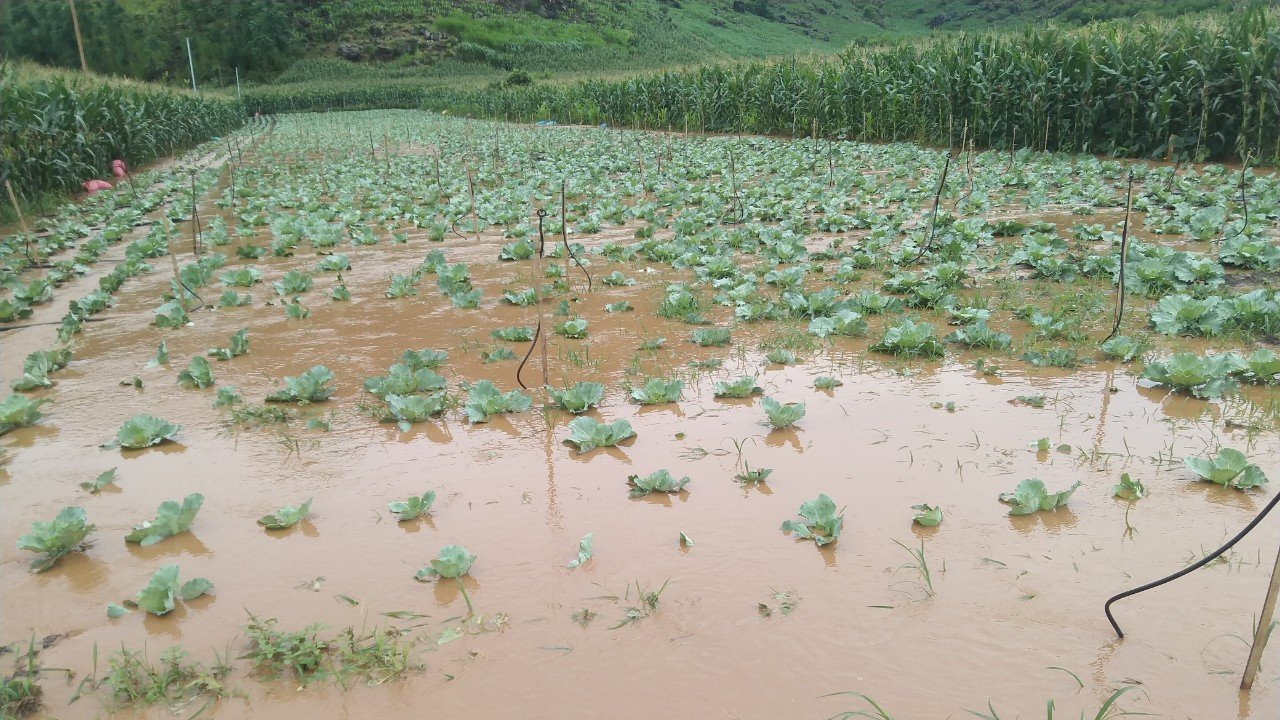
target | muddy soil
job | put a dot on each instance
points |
(1012, 617)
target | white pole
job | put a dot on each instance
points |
(237, 84)
(191, 63)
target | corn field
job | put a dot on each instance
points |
(341, 95)
(57, 130)
(1197, 89)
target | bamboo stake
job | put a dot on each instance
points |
(195, 219)
(1263, 630)
(180, 290)
(1124, 257)
(475, 220)
(564, 231)
(537, 295)
(22, 222)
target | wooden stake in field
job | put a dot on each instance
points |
(179, 289)
(1124, 255)
(537, 294)
(933, 218)
(640, 160)
(564, 231)
(475, 220)
(75, 25)
(195, 219)
(1263, 630)
(22, 223)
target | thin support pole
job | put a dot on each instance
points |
(180, 289)
(75, 25)
(1263, 630)
(22, 222)
(191, 63)
(1124, 258)
(238, 98)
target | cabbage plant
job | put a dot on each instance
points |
(781, 415)
(743, 387)
(37, 366)
(1031, 495)
(484, 401)
(239, 345)
(143, 431)
(517, 333)
(197, 375)
(657, 391)
(1185, 315)
(162, 592)
(708, 337)
(171, 519)
(453, 561)
(19, 411)
(54, 539)
(910, 339)
(659, 481)
(1230, 469)
(577, 398)
(286, 516)
(588, 434)
(401, 380)
(405, 410)
(927, 515)
(413, 507)
(1204, 377)
(314, 385)
(819, 521)
(575, 328)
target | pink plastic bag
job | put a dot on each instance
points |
(118, 168)
(93, 186)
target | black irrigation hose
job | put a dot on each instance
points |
(1124, 257)
(1194, 566)
(542, 245)
(564, 237)
(1244, 202)
(583, 268)
(933, 220)
(59, 322)
(193, 294)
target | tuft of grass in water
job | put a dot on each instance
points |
(134, 680)
(276, 651)
(1107, 711)
(20, 692)
(251, 416)
(920, 563)
(377, 656)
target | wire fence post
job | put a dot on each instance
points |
(238, 98)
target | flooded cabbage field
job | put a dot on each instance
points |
(752, 428)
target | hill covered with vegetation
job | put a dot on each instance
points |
(305, 40)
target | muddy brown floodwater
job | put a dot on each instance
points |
(1013, 598)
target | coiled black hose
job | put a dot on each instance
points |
(1194, 566)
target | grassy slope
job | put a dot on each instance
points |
(602, 37)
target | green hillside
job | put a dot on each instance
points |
(281, 40)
